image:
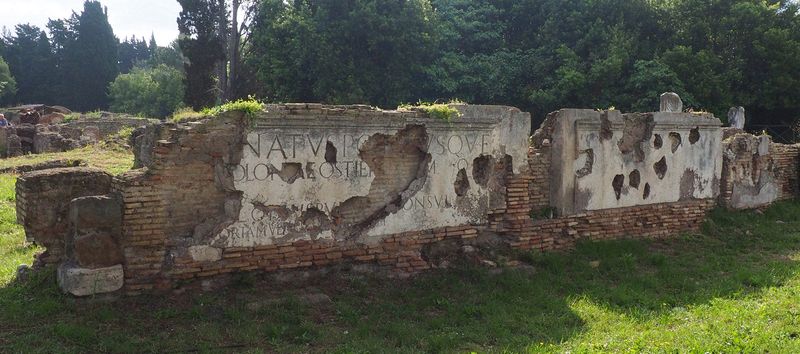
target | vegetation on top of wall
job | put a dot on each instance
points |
(185, 114)
(71, 117)
(249, 107)
(443, 111)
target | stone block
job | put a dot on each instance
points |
(205, 253)
(85, 282)
(95, 229)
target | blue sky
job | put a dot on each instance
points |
(127, 17)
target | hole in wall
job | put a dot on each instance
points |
(617, 183)
(661, 167)
(481, 167)
(330, 153)
(675, 140)
(634, 179)
(646, 193)
(291, 172)
(694, 135)
(658, 142)
(462, 183)
(587, 166)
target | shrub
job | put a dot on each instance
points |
(154, 92)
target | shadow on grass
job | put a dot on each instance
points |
(738, 255)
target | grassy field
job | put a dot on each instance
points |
(733, 288)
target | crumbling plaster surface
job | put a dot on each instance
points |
(749, 171)
(606, 159)
(309, 176)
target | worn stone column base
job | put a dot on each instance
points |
(84, 282)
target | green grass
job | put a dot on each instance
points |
(733, 288)
(114, 159)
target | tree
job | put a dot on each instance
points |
(350, 51)
(32, 64)
(90, 62)
(153, 92)
(8, 86)
(132, 52)
(203, 46)
(170, 56)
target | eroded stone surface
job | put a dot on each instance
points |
(749, 176)
(627, 151)
(95, 230)
(205, 253)
(325, 178)
(85, 282)
(671, 103)
(736, 117)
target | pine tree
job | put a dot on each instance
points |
(203, 46)
(91, 61)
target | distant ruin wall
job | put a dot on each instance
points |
(106, 126)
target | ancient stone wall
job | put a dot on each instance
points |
(313, 188)
(786, 159)
(218, 194)
(43, 200)
(107, 126)
(757, 172)
(606, 159)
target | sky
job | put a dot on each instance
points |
(127, 17)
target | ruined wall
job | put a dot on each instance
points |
(757, 172)
(786, 160)
(354, 183)
(43, 199)
(605, 159)
(307, 187)
(106, 126)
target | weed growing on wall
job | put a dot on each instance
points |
(249, 106)
(185, 114)
(442, 111)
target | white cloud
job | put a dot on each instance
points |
(137, 18)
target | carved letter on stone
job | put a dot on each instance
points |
(671, 102)
(736, 117)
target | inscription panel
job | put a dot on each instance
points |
(360, 183)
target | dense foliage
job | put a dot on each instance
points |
(8, 86)
(540, 55)
(73, 63)
(199, 23)
(150, 92)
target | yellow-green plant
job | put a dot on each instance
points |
(442, 111)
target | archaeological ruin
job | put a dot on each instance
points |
(300, 189)
(39, 129)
